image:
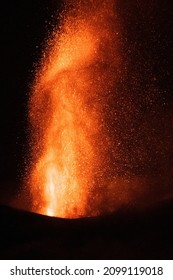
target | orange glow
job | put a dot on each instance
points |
(66, 111)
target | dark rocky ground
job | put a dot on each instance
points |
(126, 234)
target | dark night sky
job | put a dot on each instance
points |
(25, 25)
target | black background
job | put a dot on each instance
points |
(24, 27)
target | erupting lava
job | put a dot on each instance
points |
(69, 136)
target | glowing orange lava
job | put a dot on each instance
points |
(69, 139)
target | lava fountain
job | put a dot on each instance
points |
(69, 136)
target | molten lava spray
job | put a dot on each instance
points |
(97, 113)
(69, 136)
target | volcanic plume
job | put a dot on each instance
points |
(92, 110)
(69, 135)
